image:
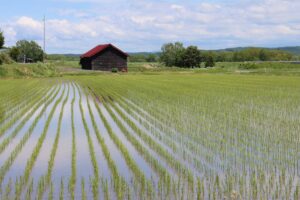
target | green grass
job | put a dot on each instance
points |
(64, 68)
(17, 70)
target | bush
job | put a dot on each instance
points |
(5, 59)
(209, 61)
(248, 66)
(114, 70)
(3, 71)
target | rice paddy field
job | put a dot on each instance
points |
(160, 136)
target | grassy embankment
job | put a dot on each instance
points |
(63, 68)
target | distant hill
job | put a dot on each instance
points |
(294, 50)
(143, 53)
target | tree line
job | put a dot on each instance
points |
(23, 51)
(175, 54)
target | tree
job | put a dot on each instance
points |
(172, 54)
(28, 50)
(14, 53)
(209, 60)
(192, 57)
(1, 39)
(263, 55)
(151, 58)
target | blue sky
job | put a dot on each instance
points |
(74, 26)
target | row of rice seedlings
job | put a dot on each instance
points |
(72, 182)
(39, 102)
(157, 107)
(15, 88)
(176, 147)
(21, 113)
(29, 191)
(13, 99)
(51, 192)
(7, 164)
(246, 149)
(106, 190)
(83, 191)
(146, 185)
(163, 173)
(169, 141)
(178, 166)
(119, 183)
(45, 180)
(187, 148)
(215, 144)
(166, 182)
(61, 190)
(17, 107)
(5, 195)
(31, 161)
(22, 94)
(95, 180)
(154, 145)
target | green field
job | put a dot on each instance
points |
(151, 135)
(63, 68)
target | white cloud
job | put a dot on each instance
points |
(144, 25)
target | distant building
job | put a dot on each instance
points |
(104, 57)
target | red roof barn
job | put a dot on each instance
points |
(104, 57)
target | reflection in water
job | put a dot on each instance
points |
(62, 168)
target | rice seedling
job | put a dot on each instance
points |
(29, 191)
(61, 190)
(119, 182)
(6, 141)
(129, 160)
(7, 164)
(35, 153)
(47, 178)
(176, 137)
(151, 160)
(72, 181)
(51, 192)
(83, 192)
(95, 180)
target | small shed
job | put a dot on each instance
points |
(105, 57)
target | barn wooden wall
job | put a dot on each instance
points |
(108, 59)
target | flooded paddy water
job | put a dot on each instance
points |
(73, 143)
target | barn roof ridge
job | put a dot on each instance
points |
(100, 48)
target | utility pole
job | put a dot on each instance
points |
(44, 38)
